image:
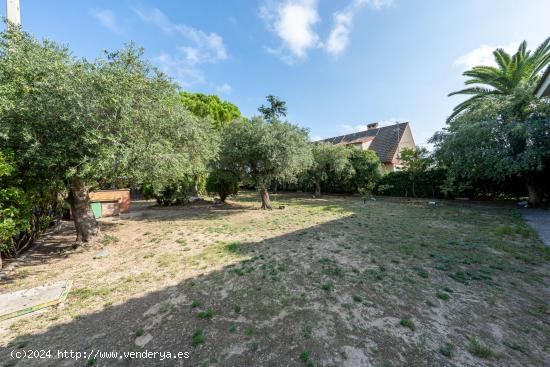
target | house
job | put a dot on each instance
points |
(543, 88)
(385, 141)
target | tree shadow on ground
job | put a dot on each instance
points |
(327, 294)
(49, 249)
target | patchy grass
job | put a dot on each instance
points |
(235, 284)
(198, 337)
(408, 323)
(479, 350)
(447, 350)
(208, 314)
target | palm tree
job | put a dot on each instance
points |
(512, 71)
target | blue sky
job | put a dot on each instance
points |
(339, 64)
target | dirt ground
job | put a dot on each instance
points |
(323, 282)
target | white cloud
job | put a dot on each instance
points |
(178, 68)
(338, 39)
(207, 46)
(224, 89)
(198, 47)
(483, 55)
(293, 21)
(107, 18)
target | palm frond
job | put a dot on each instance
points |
(475, 90)
(502, 58)
(522, 49)
(461, 107)
(542, 50)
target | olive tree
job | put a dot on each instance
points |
(415, 163)
(328, 159)
(78, 122)
(263, 152)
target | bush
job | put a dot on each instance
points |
(362, 177)
(175, 194)
(223, 183)
(428, 184)
(15, 207)
(24, 212)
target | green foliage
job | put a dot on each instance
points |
(502, 131)
(415, 163)
(329, 160)
(222, 182)
(208, 314)
(175, 194)
(198, 337)
(366, 167)
(407, 322)
(275, 110)
(489, 144)
(221, 112)
(419, 177)
(513, 72)
(263, 152)
(15, 206)
(116, 117)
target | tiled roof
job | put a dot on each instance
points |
(385, 140)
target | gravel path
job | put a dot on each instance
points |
(539, 219)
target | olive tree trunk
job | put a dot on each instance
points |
(266, 203)
(84, 222)
(535, 192)
(317, 188)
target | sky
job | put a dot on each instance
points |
(338, 64)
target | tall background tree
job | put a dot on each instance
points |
(75, 122)
(263, 152)
(221, 112)
(328, 159)
(274, 110)
(519, 71)
(366, 170)
(416, 163)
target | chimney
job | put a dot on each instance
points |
(374, 125)
(13, 13)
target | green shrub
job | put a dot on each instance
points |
(175, 194)
(15, 207)
(223, 183)
(427, 184)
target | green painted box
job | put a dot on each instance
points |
(96, 209)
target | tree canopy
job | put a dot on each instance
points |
(328, 159)
(415, 162)
(366, 169)
(210, 106)
(489, 143)
(76, 122)
(263, 152)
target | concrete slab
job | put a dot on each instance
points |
(539, 219)
(30, 300)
